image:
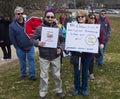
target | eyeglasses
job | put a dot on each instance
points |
(80, 16)
(49, 17)
(103, 13)
(92, 18)
(19, 13)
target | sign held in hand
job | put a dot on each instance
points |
(31, 24)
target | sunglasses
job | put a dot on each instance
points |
(92, 18)
(19, 13)
(80, 16)
(49, 17)
(103, 13)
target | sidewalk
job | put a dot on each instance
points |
(14, 57)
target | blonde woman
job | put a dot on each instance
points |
(81, 86)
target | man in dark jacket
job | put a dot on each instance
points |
(49, 57)
(22, 44)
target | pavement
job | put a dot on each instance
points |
(14, 57)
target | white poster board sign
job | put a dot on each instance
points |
(50, 36)
(82, 37)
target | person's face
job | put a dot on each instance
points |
(103, 14)
(50, 17)
(92, 19)
(19, 15)
(81, 18)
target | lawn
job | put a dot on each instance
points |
(105, 86)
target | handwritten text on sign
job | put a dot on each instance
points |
(82, 37)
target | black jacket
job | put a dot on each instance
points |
(47, 53)
(4, 32)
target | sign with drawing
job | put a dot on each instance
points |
(50, 36)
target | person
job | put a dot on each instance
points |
(64, 53)
(67, 19)
(21, 42)
(61, 19)
(81, 86)
(70, 18)
(105, 26)
(49, 57)
(92, 20)
(5, 42)
(61, 26)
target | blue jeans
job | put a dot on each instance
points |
(22, 59)
(99, 60)
(85, 61)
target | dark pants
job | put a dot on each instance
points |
(6, 51)
(91, 65)
(85, 61)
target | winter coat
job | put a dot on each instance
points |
(4, 32)
(105, 26)
(18, 36)
(47, 53)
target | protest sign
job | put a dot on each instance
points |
(50, 36)
(82, 37)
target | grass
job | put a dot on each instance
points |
(105, 86)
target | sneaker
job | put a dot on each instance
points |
(85, 93)
(92, 77)
(41, 97)
(100, 65)
(32, 78)
(60, 95)
(3, 59)
(22, 77)
(76, 92)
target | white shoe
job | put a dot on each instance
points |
(92, 77)
(3, 59)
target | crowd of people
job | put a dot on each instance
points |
(51, 57)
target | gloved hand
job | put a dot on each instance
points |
(101, 46)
